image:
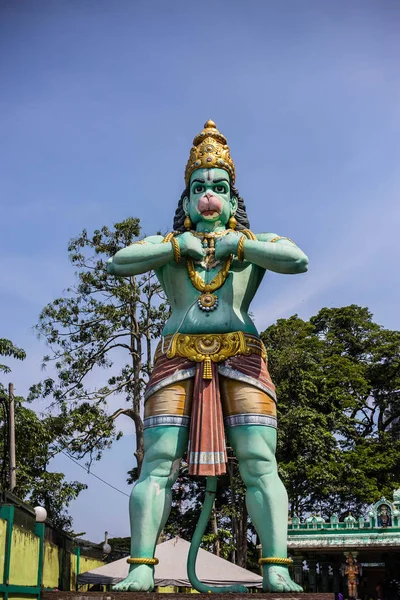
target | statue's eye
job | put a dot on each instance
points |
(198, 189)
(220, 189)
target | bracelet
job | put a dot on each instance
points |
(176, 249)
(240, 248)
(273, 560)
(142, 561)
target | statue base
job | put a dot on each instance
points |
(179, 596)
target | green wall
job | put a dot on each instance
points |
(29, 563)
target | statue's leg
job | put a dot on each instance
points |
(266, 498)
(150, 501)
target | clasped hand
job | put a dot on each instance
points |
(191, 245)
(226, 245)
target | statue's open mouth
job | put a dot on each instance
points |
(210, 213)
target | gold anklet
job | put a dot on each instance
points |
(142, 561)
(273, 560)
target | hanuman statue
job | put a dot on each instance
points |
(210, 376)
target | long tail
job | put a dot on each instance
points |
(211, 489)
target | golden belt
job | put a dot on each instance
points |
(210, 347)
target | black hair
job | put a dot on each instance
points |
(240, 214)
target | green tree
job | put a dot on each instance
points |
(34, 446)
(338, 382)
(7, 348)
(103, 328)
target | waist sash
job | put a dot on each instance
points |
(207, 449)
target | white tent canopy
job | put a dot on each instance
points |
(171, 569)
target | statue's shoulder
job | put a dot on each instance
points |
(265, 237)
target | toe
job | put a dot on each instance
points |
(298, 588)
(133, 587)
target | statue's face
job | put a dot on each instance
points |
(210, 201)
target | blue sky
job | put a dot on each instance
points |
(99, 103)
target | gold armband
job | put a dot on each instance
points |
(249, 234)
(279, 237)
(240, 248)
(168, 237)
(275, 560)
(176, 249)
(142, 561)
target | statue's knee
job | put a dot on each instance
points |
(255, 451)
(256, 462)
(254, 468)
(161, 462)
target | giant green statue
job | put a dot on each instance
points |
(210, 375)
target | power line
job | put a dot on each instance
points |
(94, 475)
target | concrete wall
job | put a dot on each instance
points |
(51, 565)
(3, 529)
(24, 553)
(24, 557)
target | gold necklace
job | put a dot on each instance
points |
(208, 301)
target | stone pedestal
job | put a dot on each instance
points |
(157, 596)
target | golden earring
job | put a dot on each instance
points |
(232, 222)
(187, 223)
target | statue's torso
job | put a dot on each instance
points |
(234, 297)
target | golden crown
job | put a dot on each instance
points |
(210, 150)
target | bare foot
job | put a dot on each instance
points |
(140, 579)
(277, 579)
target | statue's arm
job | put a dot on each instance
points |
(268, 251)
(152, 253)
(275, 253)
(140, 257)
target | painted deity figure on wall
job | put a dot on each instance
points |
(210, 376)
(384, 516)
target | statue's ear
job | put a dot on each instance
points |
(185, 204)
(234, 204)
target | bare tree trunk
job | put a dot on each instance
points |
(230, 467)
(241, 544)
(136, 353)
(148, 335)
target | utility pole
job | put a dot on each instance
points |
(13, 466)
